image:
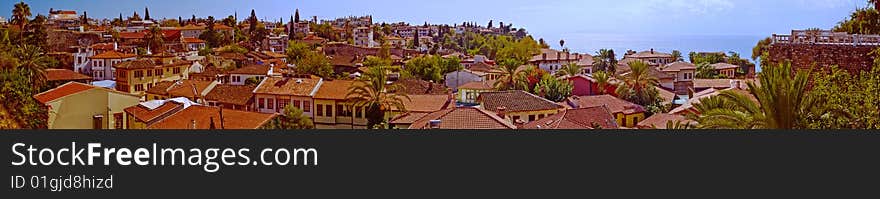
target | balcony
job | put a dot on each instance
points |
(825, 37)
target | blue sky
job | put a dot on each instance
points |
(550, 19)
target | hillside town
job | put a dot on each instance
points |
(66, 70)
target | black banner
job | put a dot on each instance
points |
(467, 164)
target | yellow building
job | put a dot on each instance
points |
(627, 113)
(81, 106)
(138, 76)
(468, 93)
(518, 107)
(333, 111)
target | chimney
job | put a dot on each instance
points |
(115, 46)
(192, 124)
(652, 51)
(434, 124)
(501, 111)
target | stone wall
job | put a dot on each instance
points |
(820, 56)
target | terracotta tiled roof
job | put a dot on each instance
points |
(62, 91)
(102, 46)
(192, 40)
(185, 88)
(407, 118)
(650, 54)
(252, 70)
(233, 56)
(231, 94)
(274, 54)
(132, 35)
(194, 27)
(481, 85)
(421, 87)
(615, 105)
(483, 67)
(64, 75)
(659, 120)
(515, 101)
(667, 96)
(334, 89)
(463, 118)
(678, 66)
(722, 66)
(689, 105)
(552, 55)
(426, 103)
(113, 55)
(715, 83)
(289, 86)
(149, 63)
(582, 118)
(202, 116)
(147, 115)
(160, 88)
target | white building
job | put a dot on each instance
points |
(363, 36)
(102, 64)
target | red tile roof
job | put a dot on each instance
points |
(62, 91)
(146, 115)
(132, 35)
(289, 86)
(192, 40)
(102, 46)
(202, 116)
(113, 55)
(426, 103)
(481, 85)
(252, 70)
(334, 89)
(463, 118)
(421, 87)
(183, 88)
(650, 54)
(659, 121)
(407, 118)
(615, 105)
(231, 94)
(582, 118)
(64, 75)
(722, 66)
(678, 66)
(515, 101)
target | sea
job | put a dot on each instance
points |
(591, 43)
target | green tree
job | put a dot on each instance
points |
(705, 71)
(155, 39)
(857, 97)
(676, 56)
(569, 70)
(605, 60)
(602, 81)
(638, 86)
(293, 118)
(314, 63)
(508, 74)
(370, 92)
(21, 13)
(553, 89)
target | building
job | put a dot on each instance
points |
(276, 43)
(552, 60)
(194, 90)
(363, 36)
(104, 64)
(192, 31)
(395, 42)
(684, 76)
(469, 92)
(76, 105)
(333, 110)
(461, 118)
(209, 117)
(58, 77)
(81, 58)
(598, 117)
(138, 76)
(64, 19)
(301, 28)
(236, 97)
(688, 107)
(651, 57)
(626, 113)
(257, 72)
(193, 44)
(518, 107)
(728, 70)
(662, 121)
(275, 93)
(148, 113)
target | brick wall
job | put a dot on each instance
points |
(851, 58)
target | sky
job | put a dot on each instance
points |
(550, 19)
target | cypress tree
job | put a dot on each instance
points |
(296, 16)
(146, 13)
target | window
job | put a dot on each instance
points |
(297, 104)
(122, 75)
(531, 118)
(139, 87)
(149, 73)
(329, 111)
(282, 103)
(307, 106)
(515, 118)
(176, 71)
(159, 72)
(319, 110)
(357, 112)
(138, 74)
(270, 103)
(262, 103)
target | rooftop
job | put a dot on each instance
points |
(650, 54)
(426, 103)
(659, 121)
(582, 118)
(231, 94)
(201, 117)
(678, 66)
(252, 70)
(462, 118)
(614, 104)
(113, 55)
(334, 89)
(515, 101)
(289, 86)
(146, 114)
(64, 75)
(480, 85)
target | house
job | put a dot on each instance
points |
(209, 117)
(720, 84)
(363, 36)
(487, 71)
(518, 106)
(660, 121)
(728, 70)
(333, 110)
(300, 28)
(598, 117)
(468, 93)
(207, 73)
(651, 57)
(194, 90)
(64, 19)
(235, 97)
(147, 113)
(58, 77)
(627, 113)
(138, 76)
(469, 61)
(688, 107)
(684, 75)
(192, 31)
(76, 105)
(583, 85)
(276, 43)
(81, 58)
(474, 73)
(258, 72)
(312, 40)
(193, 44)
(665, 79)
(103, 65)
(275, 93)
(395, 42)
(552, 60)
(461, 118)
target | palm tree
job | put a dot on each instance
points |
(372, 93)
(605, 60)
(782, 103)
(508, 74)
(155, 39)
(638, 86)
(571, 69)
(34, 62)
(20, 14)
(602, 81)
(676, 56)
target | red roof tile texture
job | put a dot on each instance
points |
(582, 118)
(289, 86)
(200, 117)
(615, 105)
(64, 75)
(62, 91)
(515, 101)
(144, 114)
(462, 118)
